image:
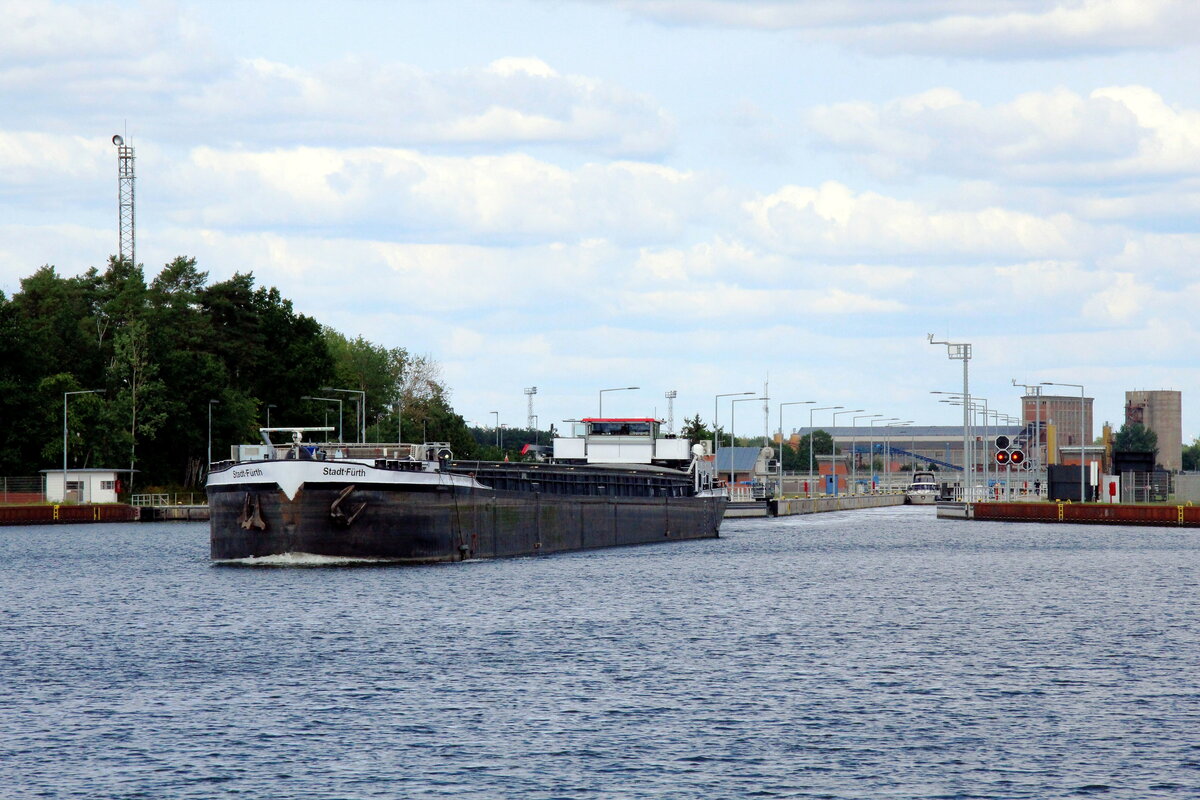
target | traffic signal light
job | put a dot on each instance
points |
(1002, 457)
(1016, 457)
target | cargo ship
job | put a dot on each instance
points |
(612, 482)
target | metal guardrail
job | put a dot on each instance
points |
(169, 499)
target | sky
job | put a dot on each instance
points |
(699, 196)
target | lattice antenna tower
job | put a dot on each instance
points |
(529, 393)
(127, 248)
(671, 395)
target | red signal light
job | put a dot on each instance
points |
(1017, 457)
(1002, 456)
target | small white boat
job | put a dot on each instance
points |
(923, 490)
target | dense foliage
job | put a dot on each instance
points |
(1191, 456)
(167, 354)
(1134, 437)
(819, 442)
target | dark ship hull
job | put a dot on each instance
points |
(418, 513)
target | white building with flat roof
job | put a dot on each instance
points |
(83, 485)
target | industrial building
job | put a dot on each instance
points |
(1058, 417)
(1161, 411)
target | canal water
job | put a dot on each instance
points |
(870, 654)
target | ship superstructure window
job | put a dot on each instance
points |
(621, 428)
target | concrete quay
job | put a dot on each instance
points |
(179, 513)
(1159, 514)
(791, 506)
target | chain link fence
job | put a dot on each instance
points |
(22, 490)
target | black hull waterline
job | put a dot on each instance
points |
(435, 522)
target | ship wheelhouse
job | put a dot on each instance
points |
(621, 440)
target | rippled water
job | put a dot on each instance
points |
(877, 654)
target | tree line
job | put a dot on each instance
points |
(167, 354)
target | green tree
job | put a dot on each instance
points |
(697, 431)
(1191, 455)
(1134, 437)
(20, 368)
(139, 398)
(57, 313)
(819, 442)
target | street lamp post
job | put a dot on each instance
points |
(211, 403)
(1036, 393)
(732, 433)
(338, 400)
(887, 447)
(716, 409)
(873, 423)
(361, 421)
(779, 465)
(812, 439)
(1082, 462)
(833, 448)
(65, 395)
(269, 407)
(972, 406)
(854, 444)
(962, 351)
(618, 389)
(497, 413)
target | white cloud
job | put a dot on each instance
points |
(356, 101)
(158, 67)
(1004, 29)
(509, 196)
(834, 222)
(1116, 133)
(32, 158)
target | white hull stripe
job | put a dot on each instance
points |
(290, 475)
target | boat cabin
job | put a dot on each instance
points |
(621, 440)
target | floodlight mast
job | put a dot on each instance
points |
(126, 244)
(529, 393)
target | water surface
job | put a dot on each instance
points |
(881, 654)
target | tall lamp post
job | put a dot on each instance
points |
(732, 433)
(812, 438)
(1036, 393)
(779, 465)
(269, 407)
(971, 407)
(1082, 462)
(961, 351)
(211, 403)
(338, 400)
(854, 444)
(65, 395)
(361, 421)
(873, 423)
(618, 389)
(716, 409)
(833, 448)
(887, 447)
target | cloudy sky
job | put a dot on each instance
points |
(689, 195)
